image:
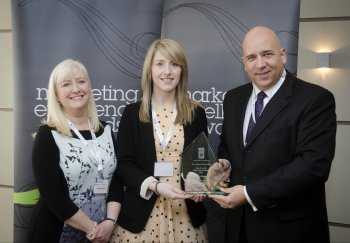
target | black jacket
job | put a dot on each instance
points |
(136, 155)
(285, 163)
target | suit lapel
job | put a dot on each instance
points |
(275, 105)
(239, 113)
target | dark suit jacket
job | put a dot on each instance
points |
(136, 155)
(285, 163)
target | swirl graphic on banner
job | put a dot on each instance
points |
(109, 39)
(230, 28)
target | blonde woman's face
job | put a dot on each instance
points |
(165, 74)
(74, 93)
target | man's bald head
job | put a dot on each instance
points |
(263, 57)
(260, 31)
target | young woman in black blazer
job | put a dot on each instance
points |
(153, 132)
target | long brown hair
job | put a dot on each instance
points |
(184, 104)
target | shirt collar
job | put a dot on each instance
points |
(272, 90)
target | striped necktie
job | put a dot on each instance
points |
(259, 105)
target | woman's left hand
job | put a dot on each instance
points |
(103, 232)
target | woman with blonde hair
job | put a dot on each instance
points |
(74, 162)
(151, 136)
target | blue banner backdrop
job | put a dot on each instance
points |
(110, 37)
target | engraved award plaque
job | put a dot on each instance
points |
(199, 168)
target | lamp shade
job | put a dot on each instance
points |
(323, 59)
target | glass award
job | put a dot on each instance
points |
(200, 170)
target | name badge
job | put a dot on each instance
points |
(101, 186)
(163, 169)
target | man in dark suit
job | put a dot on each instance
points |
(280, 144)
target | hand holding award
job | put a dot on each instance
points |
(218, 174)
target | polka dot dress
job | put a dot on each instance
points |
(169, 221)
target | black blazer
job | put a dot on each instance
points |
(136, 155)
(285, 163)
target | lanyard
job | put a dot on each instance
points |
(163, 141)
(95, 152)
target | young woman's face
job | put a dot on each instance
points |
(165, 74)
(74, 92)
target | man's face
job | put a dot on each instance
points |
(263, 58)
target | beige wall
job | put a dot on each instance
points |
(6, 128)
(324, 27)
(315, 35)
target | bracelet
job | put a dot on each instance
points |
(93, 229)
(155, 188)
(110, 219)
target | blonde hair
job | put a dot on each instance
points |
(184, 104)
(55, 116)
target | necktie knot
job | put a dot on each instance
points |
(261, 95)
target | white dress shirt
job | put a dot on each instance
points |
(250, 111)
